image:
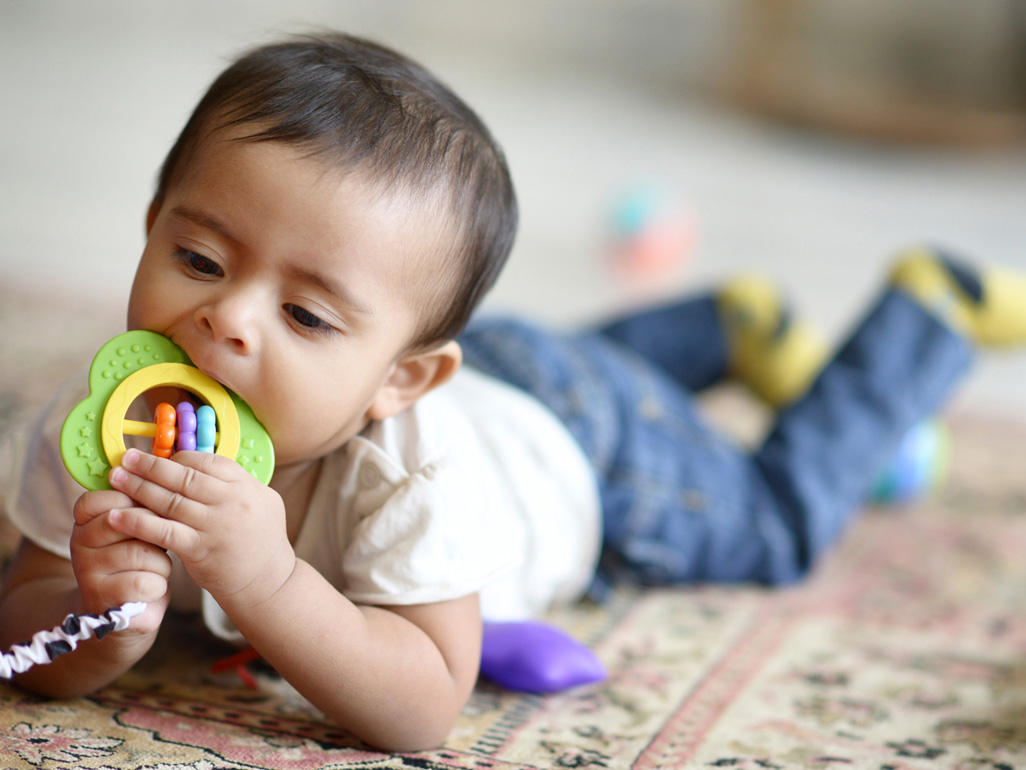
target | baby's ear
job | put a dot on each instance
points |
(414, 376)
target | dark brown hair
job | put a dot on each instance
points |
(370, 109)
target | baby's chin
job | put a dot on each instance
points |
(292, 450)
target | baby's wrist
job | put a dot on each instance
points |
(261, 592)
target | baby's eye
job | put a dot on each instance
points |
(307, 319)
(199, 263)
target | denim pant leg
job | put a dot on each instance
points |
(663, 474)
(823, 452)
(681, 502)
(686, 339)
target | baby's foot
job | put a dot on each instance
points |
(987, 305)
(774, 354)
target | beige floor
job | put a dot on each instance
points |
(588, 104)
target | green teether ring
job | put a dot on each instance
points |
(92, 438)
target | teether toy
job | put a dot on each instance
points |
(93, 441)
(93, 436)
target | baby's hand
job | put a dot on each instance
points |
(226, 527)
(112, 568)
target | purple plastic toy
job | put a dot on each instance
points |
(534, 657)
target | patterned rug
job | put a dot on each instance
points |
(906, 649)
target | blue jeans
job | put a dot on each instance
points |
(682, 502)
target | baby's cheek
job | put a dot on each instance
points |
(307, 435)
(289, 434)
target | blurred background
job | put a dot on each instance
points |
(805, 139)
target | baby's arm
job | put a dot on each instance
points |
(394, 676)
(107, 570)
(40, 589)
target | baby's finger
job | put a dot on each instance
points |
(120, 553)
(213, 465)
(97, 533)
(145, 525)
(132, 586)
(165, 487)
(189, 473)
(91, 504)
(135, 555)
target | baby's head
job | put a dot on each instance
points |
(365, 109)
(327, 221)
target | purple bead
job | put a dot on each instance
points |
(186, 416)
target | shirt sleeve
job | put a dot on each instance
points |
(43, 493)
(435, 537)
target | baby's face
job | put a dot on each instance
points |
(287, 282)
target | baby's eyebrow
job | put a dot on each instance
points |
(331, 286)
(326, 283)
(204, 220)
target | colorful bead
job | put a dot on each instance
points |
(206, 429)
(164, 438)
(186, 426)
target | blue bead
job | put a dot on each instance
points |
(206, 428)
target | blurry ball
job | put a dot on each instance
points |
(652, 233)
(919, 467)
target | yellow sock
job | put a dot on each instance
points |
(774, 355)
(988, 306)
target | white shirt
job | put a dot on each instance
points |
(475, 488)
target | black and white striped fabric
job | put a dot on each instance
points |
(45, 646)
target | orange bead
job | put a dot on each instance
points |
(164, 438)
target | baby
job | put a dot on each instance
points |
(320, 234)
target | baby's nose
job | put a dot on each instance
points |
(231, 319)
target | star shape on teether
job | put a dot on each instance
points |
(97, 467)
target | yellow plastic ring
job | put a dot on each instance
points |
(159, 375)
